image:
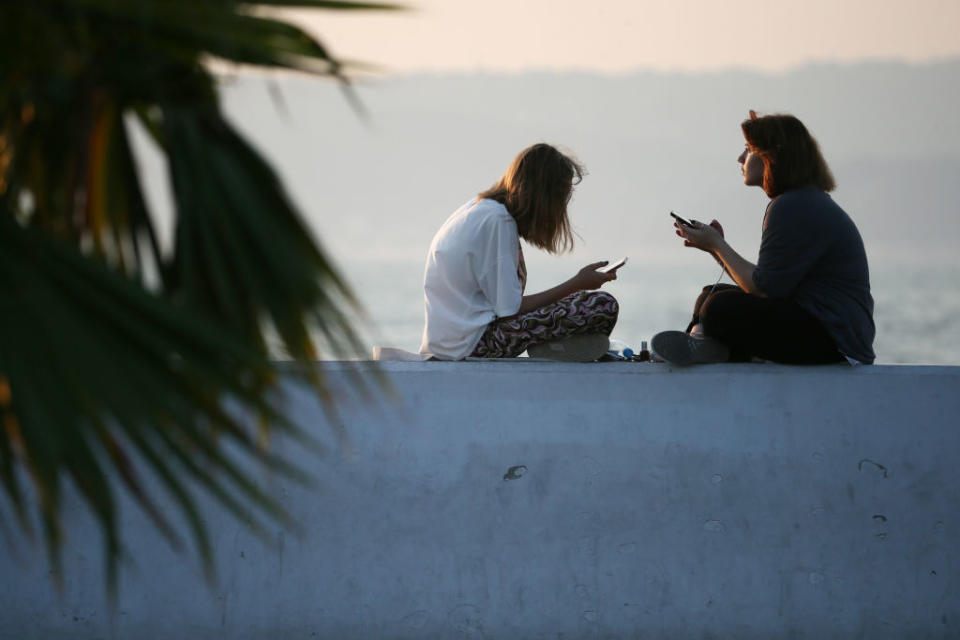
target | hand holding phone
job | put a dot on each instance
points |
(613, 266)
(685, 223)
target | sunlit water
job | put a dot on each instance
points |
(917, 306)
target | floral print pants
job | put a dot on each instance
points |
(581, 312)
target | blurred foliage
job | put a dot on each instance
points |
(118, 361)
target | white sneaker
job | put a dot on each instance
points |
(581, 348)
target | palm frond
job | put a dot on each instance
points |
(183, 29)
(118, 362)
(156, 377)
(237, 264)
(328, 4)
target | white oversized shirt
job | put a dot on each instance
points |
(470, 279)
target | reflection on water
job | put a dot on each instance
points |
(917, 307)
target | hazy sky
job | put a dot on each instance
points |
(621, 35)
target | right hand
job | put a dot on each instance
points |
(701, 236)
(589, 278)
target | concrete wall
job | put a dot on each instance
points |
(542, 500)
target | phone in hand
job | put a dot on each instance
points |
(685, 223)
(613, 266)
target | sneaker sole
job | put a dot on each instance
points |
(676, 347)
(583, 348)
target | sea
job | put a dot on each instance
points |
(916, 305)
(375, 184)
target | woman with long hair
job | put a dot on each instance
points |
(475, 274)
(807, 299)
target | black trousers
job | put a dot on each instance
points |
(776, 329)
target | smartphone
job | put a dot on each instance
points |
(612, 267)
(685, 223)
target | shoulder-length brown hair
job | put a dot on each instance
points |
(535, 190)
(791, 157)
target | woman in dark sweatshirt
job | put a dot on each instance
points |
(807, 299)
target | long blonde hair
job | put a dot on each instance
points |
(535, 190)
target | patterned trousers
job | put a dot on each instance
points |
(581, 312)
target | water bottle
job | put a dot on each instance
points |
(618, 348)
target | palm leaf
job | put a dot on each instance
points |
(149, 371)
(237, 263)
(327, 4)
(182, 29)
(118, 362)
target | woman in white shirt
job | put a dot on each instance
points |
(475, 274)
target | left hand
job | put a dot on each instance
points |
(589, 278)
(701, 236)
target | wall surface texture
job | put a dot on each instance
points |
(547, 500)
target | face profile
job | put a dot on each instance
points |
(751, 166)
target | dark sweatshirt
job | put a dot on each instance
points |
(812, 252)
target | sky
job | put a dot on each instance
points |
(616, 36)
(889, 130)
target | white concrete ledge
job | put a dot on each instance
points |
(547, 500)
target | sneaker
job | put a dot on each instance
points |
(581, 348)
(676, 347)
